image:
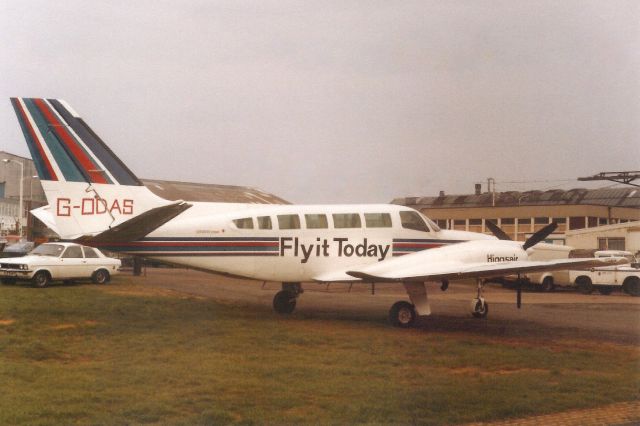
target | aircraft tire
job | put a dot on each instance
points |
(402, 314)
(480, 310)
(284, 302)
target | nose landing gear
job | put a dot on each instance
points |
(479, 308)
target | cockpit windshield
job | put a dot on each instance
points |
(434, 226)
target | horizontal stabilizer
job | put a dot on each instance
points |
(139, 226)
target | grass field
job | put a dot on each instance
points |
(112, 354)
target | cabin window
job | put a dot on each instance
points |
(289, 221)
(264, 222)
(90, 253)
(377, 220)
(316, 221)
(412, 220)
(346, 220)
(244, 223)
(73, 252)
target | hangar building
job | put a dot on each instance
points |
(520, 214)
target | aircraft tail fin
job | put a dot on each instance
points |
(89, 189)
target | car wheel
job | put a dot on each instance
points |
(547, 284)
(41, 279)
(585, 286)
(100, 276)
(631, 286)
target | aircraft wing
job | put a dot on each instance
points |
(422, 271)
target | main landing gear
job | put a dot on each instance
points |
(284, 302)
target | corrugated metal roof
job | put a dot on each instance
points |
(613, 197)
(190, 191)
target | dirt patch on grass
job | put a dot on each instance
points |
(63, 326)
(146, 291)
(7, 321)
(472, 371)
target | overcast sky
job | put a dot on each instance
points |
(338, 101)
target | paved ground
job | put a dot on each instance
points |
(614, 318)
(626, 413)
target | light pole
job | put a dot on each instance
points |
(8, 160)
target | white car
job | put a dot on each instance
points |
(59, 261)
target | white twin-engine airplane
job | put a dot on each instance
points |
(95, 198)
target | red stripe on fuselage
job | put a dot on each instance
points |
(32, 132)
(76, 150)
(196, 244)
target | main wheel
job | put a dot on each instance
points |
(101, 276)
(547, 284)
(585, 286)
(41, 279)
(480, 308)
(605, 290)
(402, 314)
(284, 302)
(631, 286)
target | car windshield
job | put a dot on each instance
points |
(48, 250)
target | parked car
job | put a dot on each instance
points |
(18, 249)
(604, 279)
(59, 261)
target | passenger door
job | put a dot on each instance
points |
(72, 264)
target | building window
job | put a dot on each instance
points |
(541, 220)
(507, 221)
(316, 221)
(603, 221)
(459, 222)
(475, 222)
(442, 223)
(524, 221)
(560, 220)
(576, 222)
(289, 221)
(593, 222)
(611, 243)
(264, 222)
(377, 220)
(346, 220)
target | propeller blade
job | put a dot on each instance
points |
(495, 229)
(540, 235)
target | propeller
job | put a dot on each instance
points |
(539, 236)
(495, 229)
(531, 241)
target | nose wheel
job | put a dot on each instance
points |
(479, 308)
